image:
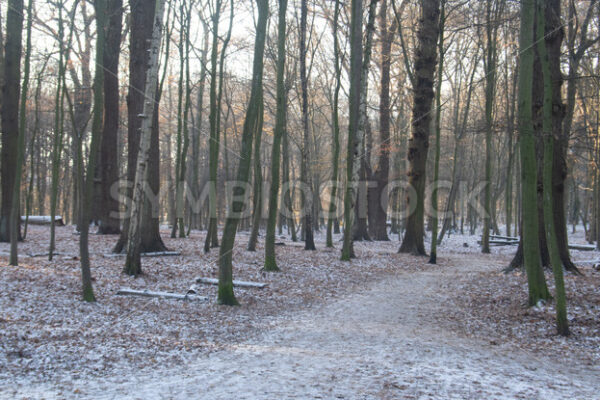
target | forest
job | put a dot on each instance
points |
(398, 198)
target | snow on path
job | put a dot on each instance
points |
(382, 343)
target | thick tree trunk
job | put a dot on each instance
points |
(10, 111)
(148, 128)
(109, 154)
(425, 62)
(530, 230)
(561, 306)
(142, 17)
(15, 212)
(554, 38)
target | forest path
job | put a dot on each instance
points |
(381, 343)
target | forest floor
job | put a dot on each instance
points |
(385, 325)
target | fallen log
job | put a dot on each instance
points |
(501, 242)
(584, 247)
(214, 281)
(161, 295)
(43, 220)
(149, 254)
(56, 253)
(504, 237)
(505, 240)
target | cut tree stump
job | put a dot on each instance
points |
(149, 254)
(161, 295)
(43, 220)
(215, 281)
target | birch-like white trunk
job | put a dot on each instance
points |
(133, 263)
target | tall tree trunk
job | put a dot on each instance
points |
(461, 129)
(142, 22)
(57, 142)
(335, 126)
(211, 235)
(195, 213)
(360, 230)
(510, 117)
(148, 116)
(305, 172)
(425, 62)
(305, 179)
(548, 134)
(438, 117)
(256, 190)
(15, 214)
(493, 9)
(561, 129)
(378, 195)
(251, 125)
(530, 231)
(354, 135)
(287, 194)
(109, 154)
(10, 111)
(280, 126)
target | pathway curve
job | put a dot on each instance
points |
(382, 343)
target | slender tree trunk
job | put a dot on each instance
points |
(195, 220)
(378, 195)
(211, 235)
(307, 207)
(425, 61)
(461, 129)
(251, 125)
(176, 216)
(59, 130)
(256, 191)
(335, 125)
(287, 194)
(32, 145)
(280, 126)
(360, 230)
(508, 197)
(493, 9)
(438, 117)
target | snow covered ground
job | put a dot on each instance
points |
(384, 326)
